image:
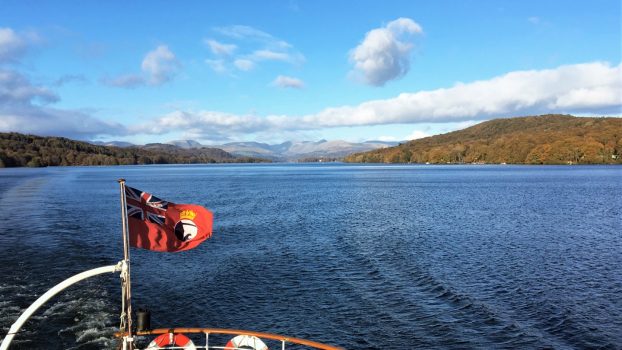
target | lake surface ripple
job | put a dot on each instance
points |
(364, 257)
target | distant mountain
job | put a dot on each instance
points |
(186, 144)
(113, 143)
(299, 150)
(546, 139)
(251, 149)
(18, 150)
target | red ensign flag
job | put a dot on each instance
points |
(164, 226)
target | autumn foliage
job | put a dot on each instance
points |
(546, 139)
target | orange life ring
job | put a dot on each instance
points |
(170, 339)
(246, 341)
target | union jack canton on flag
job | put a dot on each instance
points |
(139, 203)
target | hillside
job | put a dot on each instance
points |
(18, 150)
(546, 139)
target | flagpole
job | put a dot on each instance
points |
(127, 290)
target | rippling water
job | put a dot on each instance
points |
(356, 256)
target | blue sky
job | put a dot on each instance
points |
(272, 71)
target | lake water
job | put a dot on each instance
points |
(359, 256)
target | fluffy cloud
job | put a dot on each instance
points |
(283, 81)
(24, 107)
(384, 54)
(158, 66)
(581, 88)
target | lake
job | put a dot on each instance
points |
(358, 256)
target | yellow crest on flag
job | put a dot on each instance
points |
(187, 214)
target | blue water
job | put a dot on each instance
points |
(363, 257)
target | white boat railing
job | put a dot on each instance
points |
(15, 327)
(122, 268)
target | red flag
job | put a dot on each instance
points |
(164, 226)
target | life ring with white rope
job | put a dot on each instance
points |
(170, 339)
(246, 342)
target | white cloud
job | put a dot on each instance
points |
(220, 48)
(244, 64)
(251, 47)
(270, 55)
(244, 32)
(161, 65)
(283, 81)
(404, 26)
(158, 67)
(384, 54)
(515, 93)
(581, 88)
(14, 45)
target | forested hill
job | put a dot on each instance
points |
(17, 150)
(546, 139)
